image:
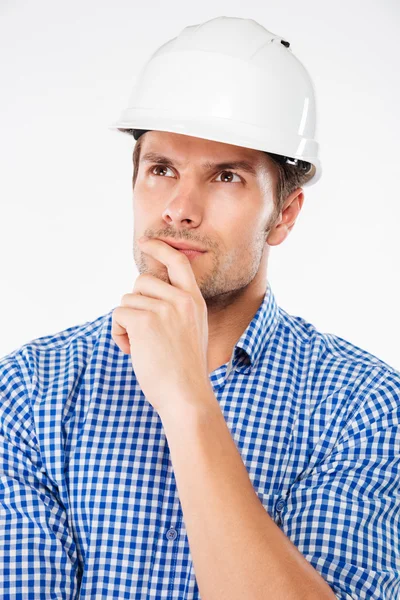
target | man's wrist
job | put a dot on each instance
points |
(190, 408)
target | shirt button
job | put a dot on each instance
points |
(279, 505)
(171, 533)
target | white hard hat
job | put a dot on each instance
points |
(229, 80)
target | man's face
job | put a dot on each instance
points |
(226, 213)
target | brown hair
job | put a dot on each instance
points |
(289, 177)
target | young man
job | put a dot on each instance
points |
(197, 440)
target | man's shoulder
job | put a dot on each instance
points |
(332, 352)
(48, 352)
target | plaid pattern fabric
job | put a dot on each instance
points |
(88, 501)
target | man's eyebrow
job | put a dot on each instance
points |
(242, 165)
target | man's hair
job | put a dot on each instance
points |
(289, 177)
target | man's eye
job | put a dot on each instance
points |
(157, 167)
(231, 173)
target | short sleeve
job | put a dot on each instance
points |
(343, 514)
(38, 556)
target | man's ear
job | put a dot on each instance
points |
(287, 218)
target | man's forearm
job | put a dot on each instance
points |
(238, 551)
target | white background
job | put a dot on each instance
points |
(66, 72)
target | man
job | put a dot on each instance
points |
(197, 440)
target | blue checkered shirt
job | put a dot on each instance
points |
(88, 499)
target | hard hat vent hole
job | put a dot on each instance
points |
(287, 44)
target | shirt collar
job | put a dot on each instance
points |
(249, 347)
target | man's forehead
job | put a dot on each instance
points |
(157, 147)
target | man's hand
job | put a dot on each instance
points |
(165, 330)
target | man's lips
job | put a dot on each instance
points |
(182, 246)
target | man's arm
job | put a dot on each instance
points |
(38, 556)
(238, 551)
